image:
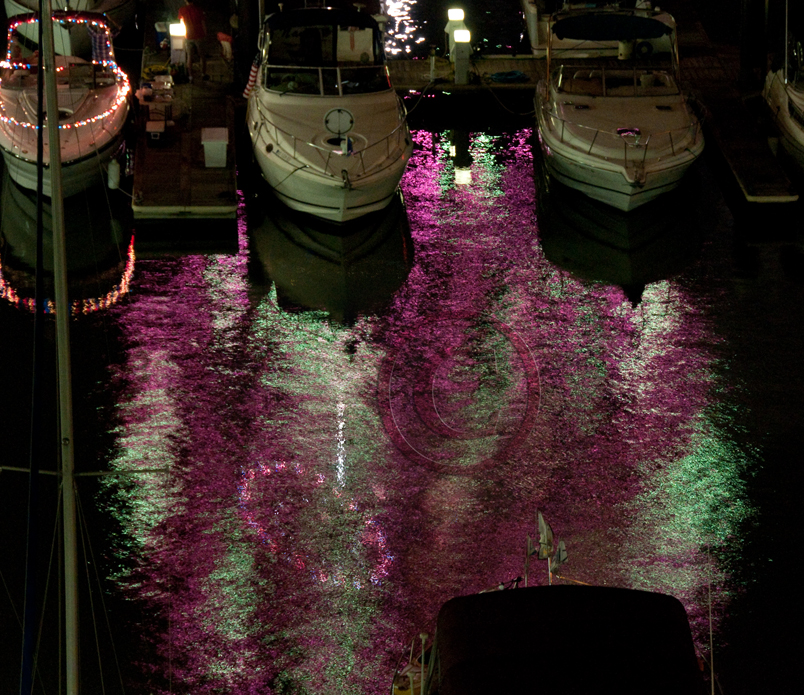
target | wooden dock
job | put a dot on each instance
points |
(711, 72)
(176, 173)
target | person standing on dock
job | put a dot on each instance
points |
(195, 26)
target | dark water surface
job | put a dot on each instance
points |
(320, 438)
(325, 437)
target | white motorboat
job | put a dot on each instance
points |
(329, 133)
(538, 13)
(784, 94)
(617, 128)
(93, 94)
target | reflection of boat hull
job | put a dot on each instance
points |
(100, 261)
(92, 239)
(787, 107)
(596, 242)
(344, 270)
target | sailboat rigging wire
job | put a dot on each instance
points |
(422, 93)
(91, 556)
(11, 600)
(84, 544)
(499, 101)
(50, 565)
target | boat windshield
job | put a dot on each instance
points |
(324, 46)
(325, 59)
(597, 81)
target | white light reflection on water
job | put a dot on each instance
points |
(405, 33)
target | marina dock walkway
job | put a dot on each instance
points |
(711, 72)
(184, 163)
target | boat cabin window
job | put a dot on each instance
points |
(320, 46)
(356, 46)
(311, 46)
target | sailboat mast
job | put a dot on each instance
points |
(63, 352)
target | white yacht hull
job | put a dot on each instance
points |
(120, 11)
(787, 106)
(537, 22)
(613, 186)
(595, 160)
(77, 175)
(311, 174)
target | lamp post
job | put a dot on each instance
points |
(462, 53)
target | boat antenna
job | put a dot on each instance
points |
(786, 38)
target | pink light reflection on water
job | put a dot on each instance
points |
(294, 545)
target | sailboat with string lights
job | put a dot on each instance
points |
(93, 101)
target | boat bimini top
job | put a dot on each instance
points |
(609, 26)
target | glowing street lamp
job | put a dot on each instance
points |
(454, 24)
(462, 36)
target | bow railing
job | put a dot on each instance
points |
(631, 139)
(395, 141)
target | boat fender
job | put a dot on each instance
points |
(644, 49)
(113, 175)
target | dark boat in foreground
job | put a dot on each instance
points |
(574, 640)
